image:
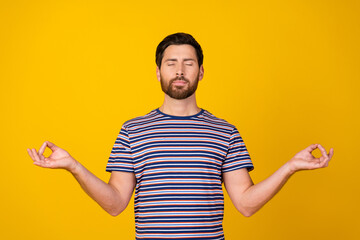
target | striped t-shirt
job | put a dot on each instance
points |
(178, 163)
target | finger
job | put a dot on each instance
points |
(52, 146)
(42, 148)
(44, 164)
(323, 151)
(331, 153)
(311, 148)
(30, 154)
(35, 154)
(40, 164)
(325, 157)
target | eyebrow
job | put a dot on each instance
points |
(185, 59)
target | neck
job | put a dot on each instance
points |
(184, 107)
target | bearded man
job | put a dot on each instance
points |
(176, 158)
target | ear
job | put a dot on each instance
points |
(201, 72)
(158, 73)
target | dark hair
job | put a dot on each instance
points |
(178, 39)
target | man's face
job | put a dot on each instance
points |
(180, 72)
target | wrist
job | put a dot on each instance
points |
(74, 168)
(290, 168)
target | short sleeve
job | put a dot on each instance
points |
(120, 157)
(237, 156)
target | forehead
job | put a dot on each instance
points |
(180, 51)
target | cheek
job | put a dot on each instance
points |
(193, 73)
(168, 74)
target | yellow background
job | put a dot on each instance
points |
(286, 73)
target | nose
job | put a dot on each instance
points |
(179, 70)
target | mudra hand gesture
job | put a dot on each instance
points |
(59, 158)
(304, 160)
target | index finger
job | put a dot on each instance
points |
(51, 146)
(47, 144)
(42, 148)
(311, 148)
(323, 151)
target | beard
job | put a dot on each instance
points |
(179, 92)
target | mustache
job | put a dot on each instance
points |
(182, 78)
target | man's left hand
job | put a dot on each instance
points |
(304, 160)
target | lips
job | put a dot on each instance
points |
(179, 82)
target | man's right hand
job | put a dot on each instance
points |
(59, 158)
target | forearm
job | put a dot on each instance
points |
(104, 194)
(257, 195)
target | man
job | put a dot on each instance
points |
(177, 156)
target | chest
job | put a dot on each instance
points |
(178, 150)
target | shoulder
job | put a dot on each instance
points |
(212, 119)
(149, 117)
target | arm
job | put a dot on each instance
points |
(248, 197)
(113, 197)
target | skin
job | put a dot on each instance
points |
(114, 196)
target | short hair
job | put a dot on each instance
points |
(178, 39)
